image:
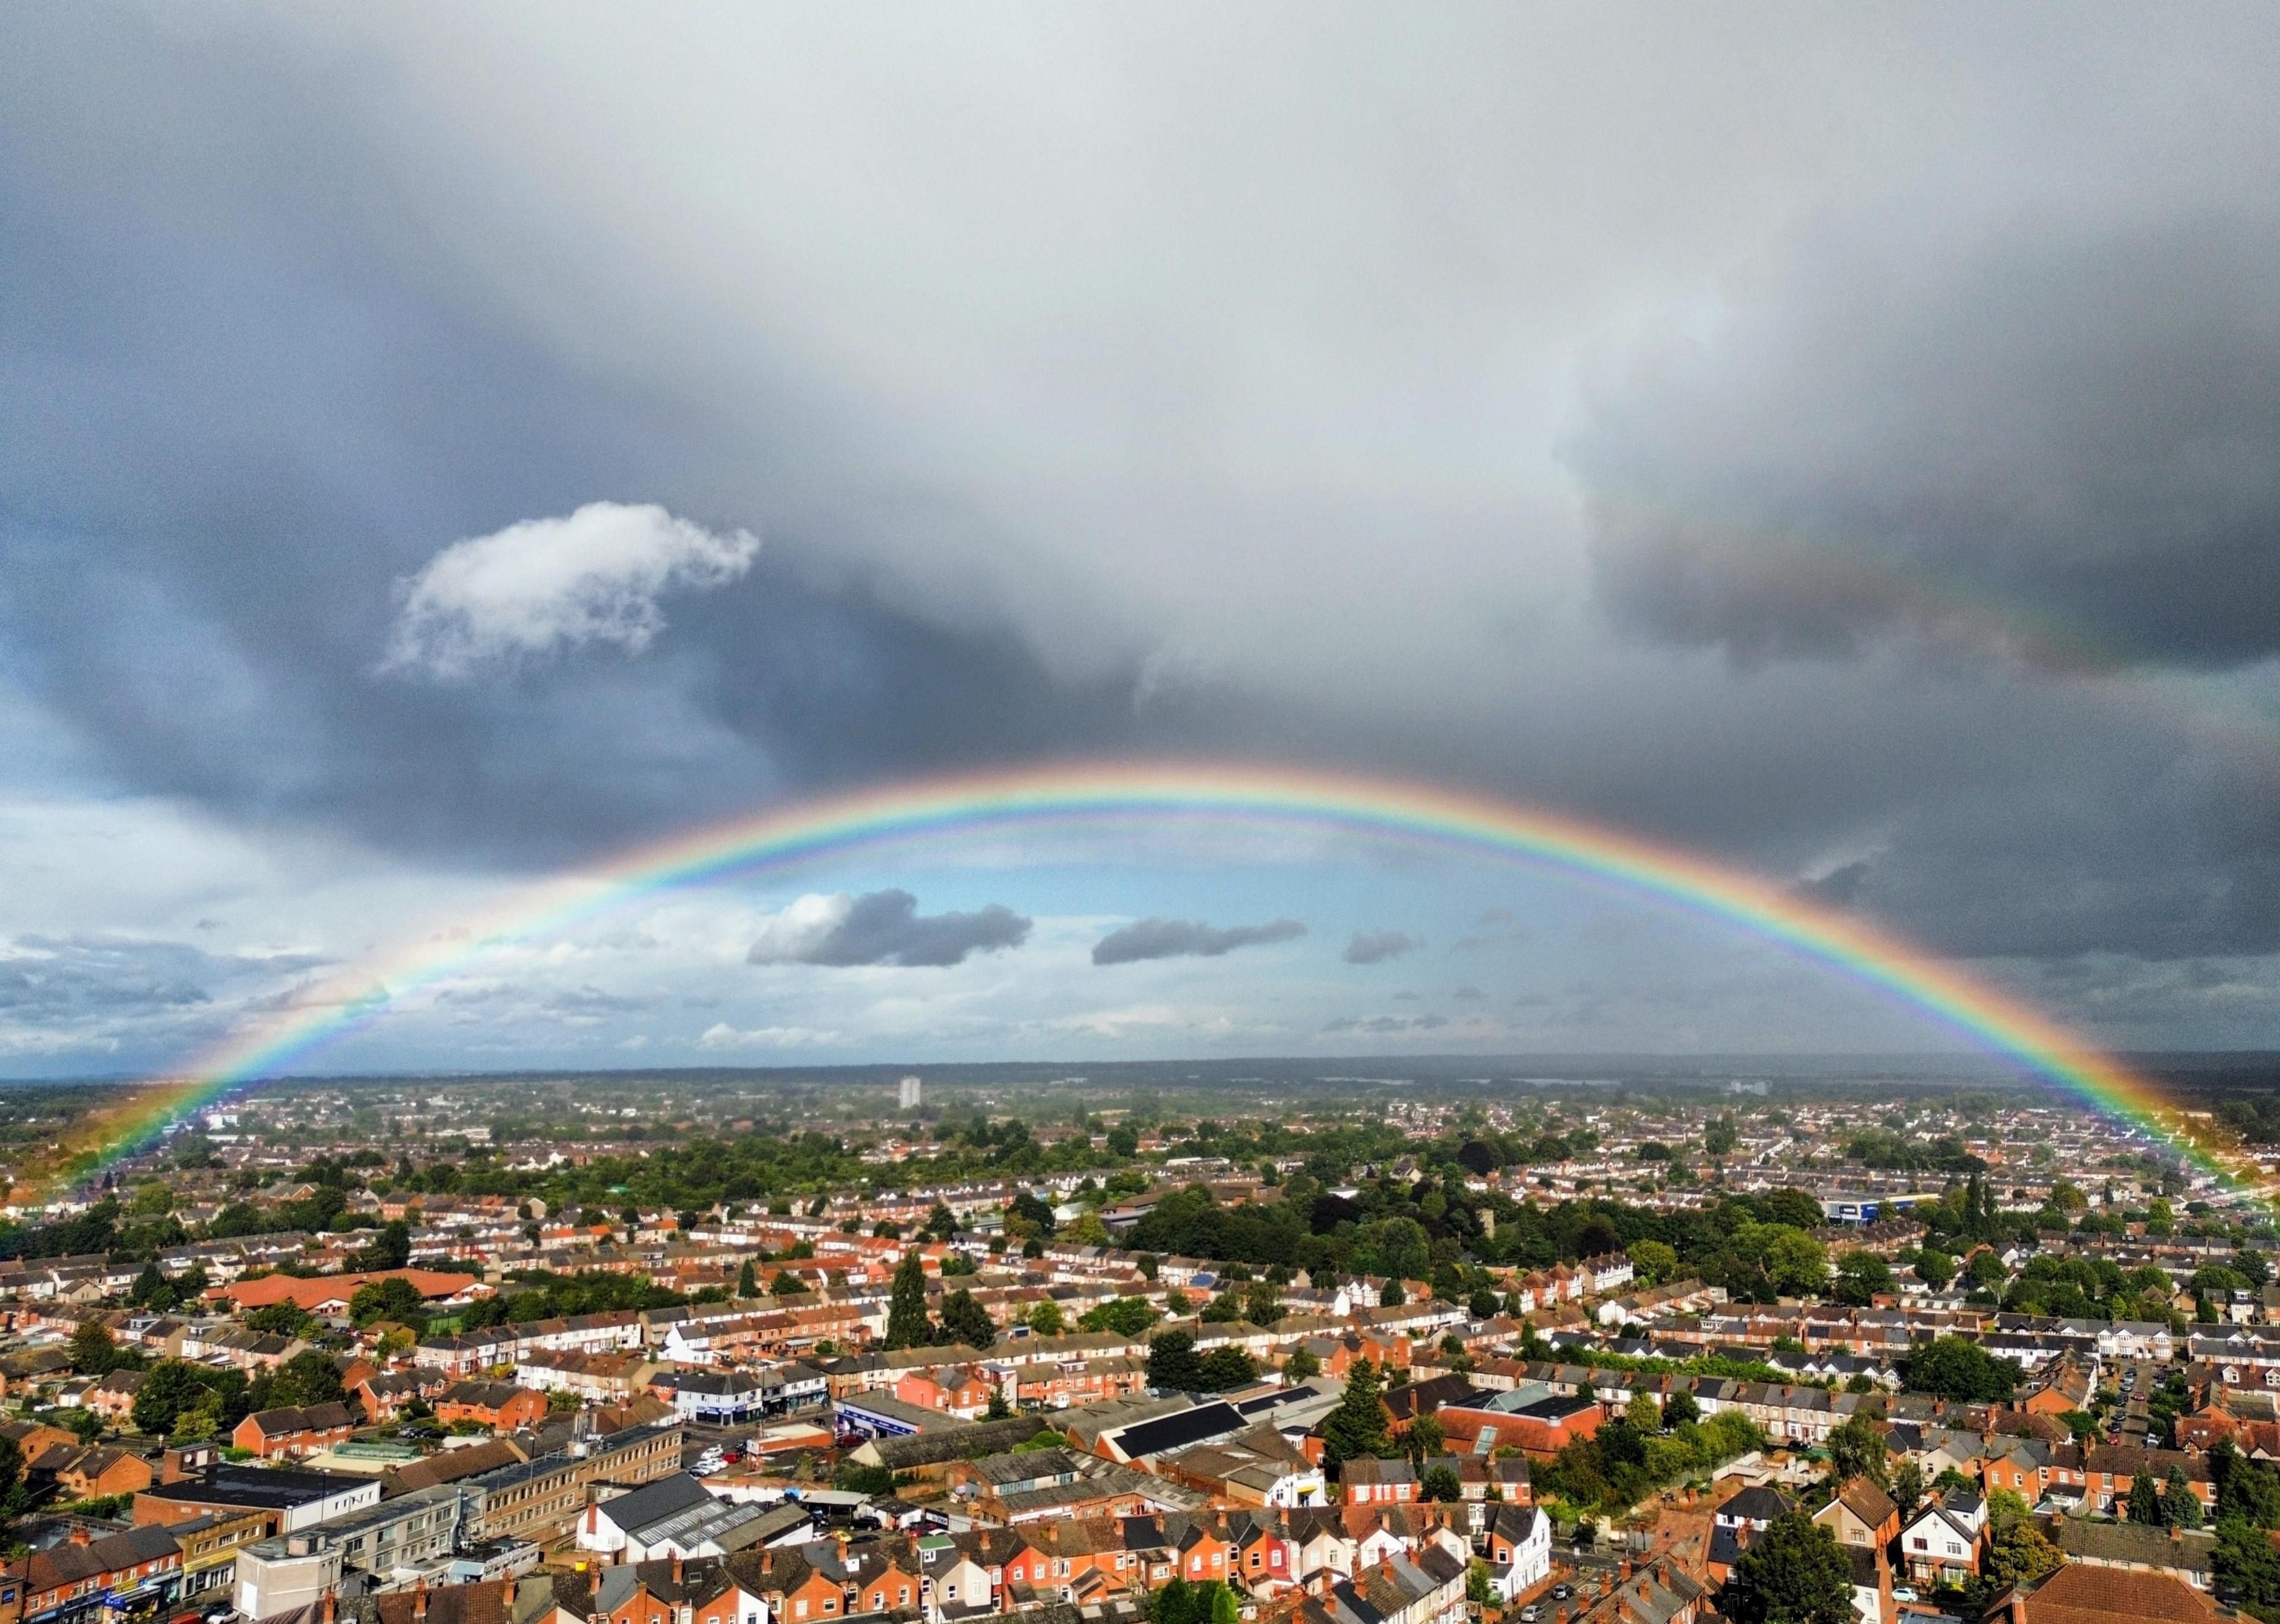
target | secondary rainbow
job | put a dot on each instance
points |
(1147, 793)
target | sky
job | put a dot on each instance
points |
(446, 446)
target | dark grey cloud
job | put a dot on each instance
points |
(240, 418)
(2059, 444)
(257, 370)
(1373, 947)
(886, 927)
(1469, 994)
(1160, 938)
(1839, 888)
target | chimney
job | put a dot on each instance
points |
(419, 1600)
(767, 1561)
(332, 1605)
(80, 1535)
(676, 1567)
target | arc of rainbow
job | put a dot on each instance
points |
(1378, 810)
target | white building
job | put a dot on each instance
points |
(908, 1097)
(274, 1576)
(1519, 1550)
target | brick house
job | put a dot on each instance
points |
(501, 1406)
(87, 1473)
(953, 1389)
(1860, 1514)
(288, 1431)
(1368, 1481)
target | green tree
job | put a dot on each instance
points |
(2146, 1500)
(152, 1289)
(1045, 1319)
(785, 1284)
(1860, 1275)
(394, 1297)
(2181, 1507)
(281, 1319)
(171, 1387)
(1795, 1574)
(1228, 1368)
(2248, 1492)
(1441, 1482)
(1086, 1229)
(94, 1351)
(907, 1326)
(1262, 1304)
(1721, 1135)
(1358, 1426)
(1680, 1409)
(1796, 1263)
(1174, 1604)
(1955, 1367)
(1426, 1439)
(965, 1320)
(2018, 1553)
(12, 1496)
(1127, 1316)
(1302, 1366)
(308, 1378)
(1123, 1141)
(390, 1248)
(748, 1281)
(1653, 1261)
(1391, 1295)
(1480, 1585)
(1857, 1450)
(1935, 1269)
(2245, 1557)
(1907, 1488)
(1172, 1363)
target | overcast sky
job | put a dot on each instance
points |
(443, 445)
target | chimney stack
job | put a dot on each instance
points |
(419, 1600)
(676, 1567)
(332, 1605)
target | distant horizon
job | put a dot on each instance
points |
(1829, 1062)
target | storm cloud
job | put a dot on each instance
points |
(1875, 494)
(1159, 938)
(883, 928)
(2062, 445)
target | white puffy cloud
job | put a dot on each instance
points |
(546, 585)
(721, 1035)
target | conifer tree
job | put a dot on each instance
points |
(2146, 1500)
(965, 1320)
(1356, 1426)
(907, 1312)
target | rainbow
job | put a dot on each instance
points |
(1146, 794)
